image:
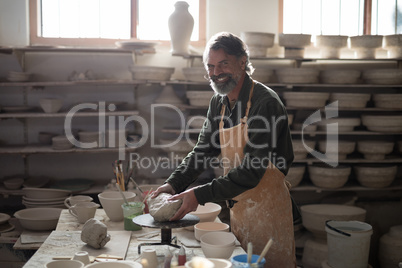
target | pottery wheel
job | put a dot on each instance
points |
(146, 220)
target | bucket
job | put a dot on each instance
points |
(348, 243)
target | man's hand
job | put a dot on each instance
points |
(190, 203)
(166, 188)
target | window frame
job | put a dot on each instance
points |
(366, 17)
(34, 26)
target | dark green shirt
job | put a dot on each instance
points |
(269, 139)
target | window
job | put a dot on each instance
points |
(341, 17)
(103, 22)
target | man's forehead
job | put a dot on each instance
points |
(217, 55)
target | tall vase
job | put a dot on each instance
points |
(181, 25)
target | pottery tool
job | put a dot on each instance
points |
(265, 250)
(136, 185)
(121, 192)
(249, 252)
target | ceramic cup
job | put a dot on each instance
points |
(72, 200)
(240, 261)
(149, 258)
(83, 211)
(82, 256)
(64, 264)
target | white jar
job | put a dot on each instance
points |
(181, 25)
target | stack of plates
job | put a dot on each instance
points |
(44, 197)
(5, 226)
(18, 76)
(91, 136)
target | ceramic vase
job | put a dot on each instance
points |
(181, 25)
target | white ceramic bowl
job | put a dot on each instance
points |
(350, 100)
(393, 43)
(258, 42)
(329, 177)
(13, 183)
(344, 124)
(115, 264)
(342, 150)
(220, 263)
(263, 74)
(302, 148)
(51, 105)
(306, 99)
(207, 212)
(314, 216)
(195, 74)
(375, 176)
(4, 218)
(388, 101)
(365, 45)
(111, 202)
(202, 228)
(330, 45)
(295, 174)
(38, 219)
(45, 193)
(382, 76)
(151, 72)
(297, 75)
(383, 123)
(340, 76)
(375, 150)
(64, 264)
(218, 244)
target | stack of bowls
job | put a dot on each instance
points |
(218, 244)
(383, 76)
(365, 45)
(294, 44)
(393, 43)
(202, 228)
(301, 148)
(295, 174)
(340, 151)
(375, 150)
(330, 45)
(90, 137)
(263, 74)
(258, 42)
(344, 124)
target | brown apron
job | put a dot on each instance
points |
(265, 211)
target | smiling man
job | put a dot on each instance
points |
(247, 126)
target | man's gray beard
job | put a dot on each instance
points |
(224, 89)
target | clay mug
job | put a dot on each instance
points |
(72, 200)
(149, 258)
(83, 211)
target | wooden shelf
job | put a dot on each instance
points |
(47, 149)
(39, 114)
(350, 186)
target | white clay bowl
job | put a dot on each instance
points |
(51, 105)
(393, 43)
(366, 45)
(375, 176)
(202, 228)
(383, 123)
(306, 99)
(329, 177)
(382, 76)
(388, 101)
(218, 244)
(340, 76)
(350, 100)
(330, 45)
(151, 72)
(342, 149)
(297, 75)
(302, 148)
(263, 74)
(38, 219)
(258, 42)
(344, 124)
(295, 174)
(375, 150)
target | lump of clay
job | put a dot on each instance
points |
(94, 233)
(162, 209)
